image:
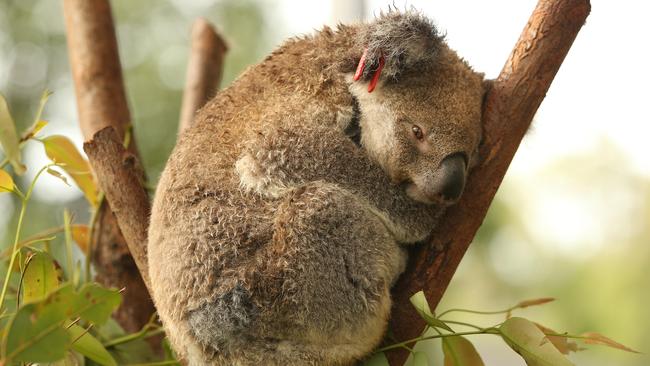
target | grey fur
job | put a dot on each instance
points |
(405, 41)
(274, 236)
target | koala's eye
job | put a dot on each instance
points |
(417, 132)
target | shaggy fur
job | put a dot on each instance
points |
(279, 222)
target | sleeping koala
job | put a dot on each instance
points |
(281, 219)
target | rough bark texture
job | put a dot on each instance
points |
(119, 175)
(509, 109)
(204, 70)
(101, 102)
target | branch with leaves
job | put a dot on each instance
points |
(49, 310)
(509, 108)
(535, 343)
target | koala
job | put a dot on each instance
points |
(284, 214)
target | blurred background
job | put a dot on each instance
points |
(570, 220)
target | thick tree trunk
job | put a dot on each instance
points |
(509, 108)
(101, 102)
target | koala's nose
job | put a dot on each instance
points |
(451, 177)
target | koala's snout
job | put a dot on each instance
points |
(442, 185)
(451, 174)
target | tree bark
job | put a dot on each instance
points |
(119, 174)
(101, 102)
(204, 70)
(509, 108)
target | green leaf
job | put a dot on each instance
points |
(40, 277)
(61, 150)
(420, 303)
(420, 359)
(6, 182)
(378, 359)
(459, 351)
(34, 335)
(71, 359)
(525, 338)
(86, 344)
(36, 332)
(97, 303)
(9, 138)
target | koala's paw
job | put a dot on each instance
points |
(216, 324)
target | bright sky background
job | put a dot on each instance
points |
(601, 91)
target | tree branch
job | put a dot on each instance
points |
(119, 174)
(101, 102)
(204, 70)
(509, 108)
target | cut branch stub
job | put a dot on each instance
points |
(509, 108)
(119, 174)
(204, 70)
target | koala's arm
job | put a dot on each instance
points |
(278, 159)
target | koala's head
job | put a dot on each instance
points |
(421, 122)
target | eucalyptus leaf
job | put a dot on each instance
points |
(86, 344)
(9, 138)
(420, 303)
(34, 335)
(378, 359)
(6, 182)
(40, 277)
(525, 338)
(97, 303)
(62, 151)
(420, 359)
(36, 332)
(459, 351)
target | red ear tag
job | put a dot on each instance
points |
(361, 66)
(375, 76)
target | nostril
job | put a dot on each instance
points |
(453, 187)
(453, 169)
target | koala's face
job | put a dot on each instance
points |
(424, 128)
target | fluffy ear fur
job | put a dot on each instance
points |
(405, 40)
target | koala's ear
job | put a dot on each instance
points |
(396, 41)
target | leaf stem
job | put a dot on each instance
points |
(422, 338)
(91, 232)
(465, 324)
(477, 312)
(144, 333)
(160, 363)
(21, 216)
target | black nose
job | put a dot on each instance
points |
(452, 171)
